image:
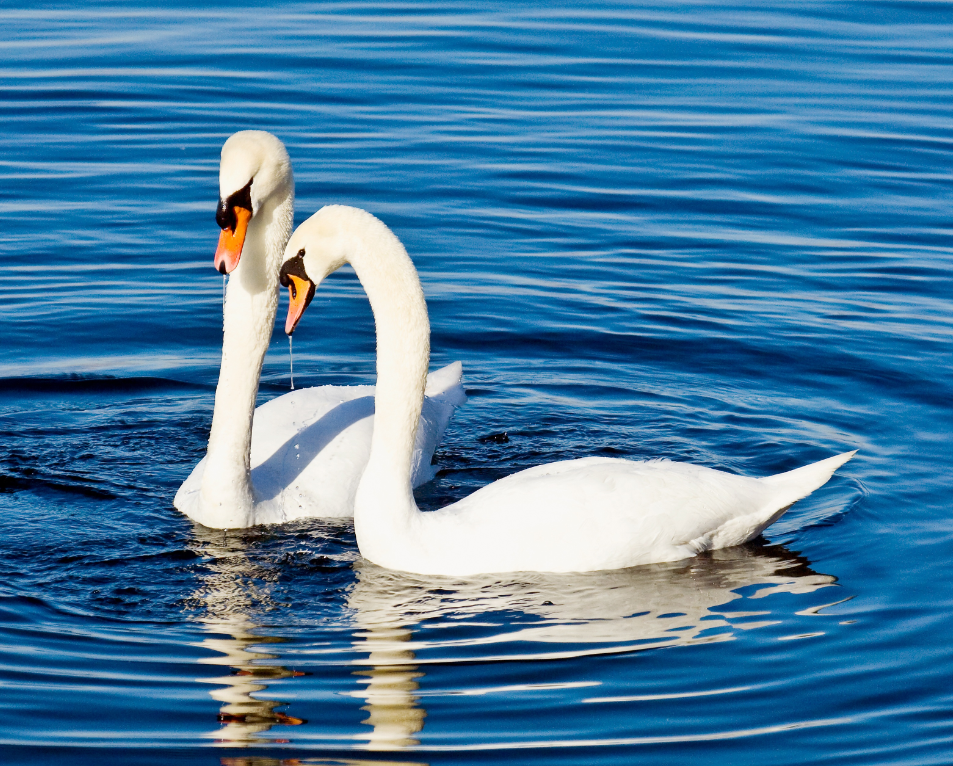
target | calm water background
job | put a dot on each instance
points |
(718, 233)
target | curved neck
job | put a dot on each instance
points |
(250, 304)
(403, 356)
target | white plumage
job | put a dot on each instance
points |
(576, 515)
(301, 454)
(309, 449)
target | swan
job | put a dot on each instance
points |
(301, 454)
(589, 514)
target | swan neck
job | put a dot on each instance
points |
(251, 301)
(403, 356)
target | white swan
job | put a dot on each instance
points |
(301, 454)
(576, 515)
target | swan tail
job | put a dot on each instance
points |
(444, 394)
(793, 485)
(787, 488)
(447, 384)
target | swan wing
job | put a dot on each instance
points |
(607, 513)
(444, 394)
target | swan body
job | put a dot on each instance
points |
(569, 516)
(309, 449)
(301, 454)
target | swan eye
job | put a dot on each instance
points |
(225, 213)
(301, 253)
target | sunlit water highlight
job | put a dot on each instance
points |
(713, 233)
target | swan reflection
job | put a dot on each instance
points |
(564, 615)
(227, 596)
(390, 681)
(401, 624)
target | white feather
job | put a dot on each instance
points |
(302, 454)
(309, 449)
(571, 516)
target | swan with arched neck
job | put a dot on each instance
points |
(301, 454)
(575, 515)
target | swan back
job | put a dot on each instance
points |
(600, 513)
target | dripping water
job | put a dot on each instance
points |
(291, 364)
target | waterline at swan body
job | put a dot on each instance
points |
(302, 454)
(570, 516)
(309, 448)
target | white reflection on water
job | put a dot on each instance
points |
(228, 594)
(603, 612)
(390, 680)
(243, 715)
(400, 624)
(659, 604)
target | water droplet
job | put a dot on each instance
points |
(291, 365)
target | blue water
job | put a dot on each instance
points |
(718, 233)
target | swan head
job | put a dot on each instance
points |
(300, 286)
(255, 168)
(315, 250)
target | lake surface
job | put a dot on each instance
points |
(718, 233)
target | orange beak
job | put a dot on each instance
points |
(300, 291)
(231, 241)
